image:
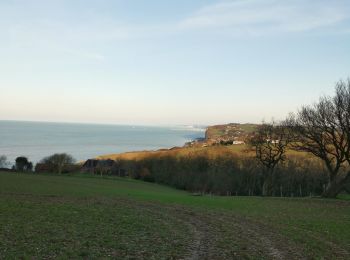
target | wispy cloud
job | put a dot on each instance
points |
(268, 16)
(86, 38)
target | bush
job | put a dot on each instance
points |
(23, 165)
(57, 163)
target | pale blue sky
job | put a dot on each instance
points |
(169, 62)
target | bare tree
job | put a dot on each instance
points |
(58, 161)
(270, 143)
(3, 161)
(324, 131)
(342, 104)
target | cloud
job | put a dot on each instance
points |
(87, 36)
(264, 16)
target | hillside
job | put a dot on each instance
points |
(219, 139)
(232, 131)
(227, 139)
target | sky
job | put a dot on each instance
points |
(159, 62)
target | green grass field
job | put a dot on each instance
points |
(44, 216)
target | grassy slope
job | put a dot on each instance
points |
(212, 151)
(70, 216)
(217, 131)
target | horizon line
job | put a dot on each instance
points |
(122, 124)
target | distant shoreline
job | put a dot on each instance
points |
(37, 140)
(232, 135)
(194, 126)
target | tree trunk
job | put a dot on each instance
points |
(332, 190)
(266, 189)
(281, 190)
(267, 185)
(60, 169)
(335, 187)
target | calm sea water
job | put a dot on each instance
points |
(36, 140)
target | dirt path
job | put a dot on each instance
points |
(219, 236)
(226, 235)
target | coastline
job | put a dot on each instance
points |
(217, 140)
(36, 140)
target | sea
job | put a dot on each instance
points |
(36, 140)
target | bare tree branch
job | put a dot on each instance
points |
(324, 131)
